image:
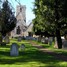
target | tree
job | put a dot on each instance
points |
(53, 14)
(41, 23)
(7, 19)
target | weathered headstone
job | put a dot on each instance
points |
(19, 38)
(64, 44)
(46, 40)
(39, 38)
(14, 50)
(22, 47)
(43, 39)
(50, 40)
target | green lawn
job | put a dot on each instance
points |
(30, 57)
(51, 47)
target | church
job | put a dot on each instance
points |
(21, 29)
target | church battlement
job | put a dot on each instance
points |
(21, 13)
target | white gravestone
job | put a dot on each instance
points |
(14, 50)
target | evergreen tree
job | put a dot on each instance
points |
(51, 16)
(7, 19)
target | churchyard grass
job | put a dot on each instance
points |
(51, 47)
(30, 57)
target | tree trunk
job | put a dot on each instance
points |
(59, 40)
(57, 17)
(1, 40)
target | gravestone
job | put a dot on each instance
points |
(64, 44)
(46, 40)
(50, 40)
(14, 50)
(22, 47)
(43, 39)
(19, 38)
(39, 38)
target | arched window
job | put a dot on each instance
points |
(20, 9)
(18, 31)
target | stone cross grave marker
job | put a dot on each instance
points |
(14, 50)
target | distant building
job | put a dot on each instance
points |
(21, 21)
(29, 29)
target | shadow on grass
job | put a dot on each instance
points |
(28, 56)
(7, 46)
(46, 46)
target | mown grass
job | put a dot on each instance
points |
(30, 57)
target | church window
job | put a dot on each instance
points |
(18, 30)
(20, 9)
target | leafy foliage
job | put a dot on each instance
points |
(45, 19)
(51, 17)
(7, 18)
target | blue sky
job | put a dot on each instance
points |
(29, 7)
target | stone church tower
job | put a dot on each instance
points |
(21, 21)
